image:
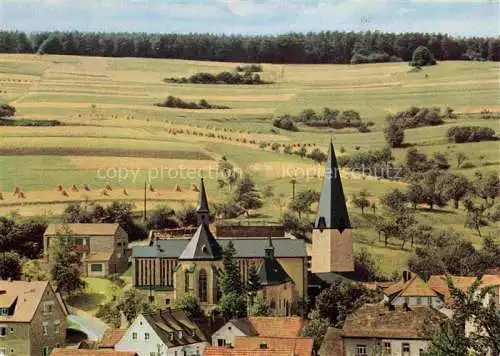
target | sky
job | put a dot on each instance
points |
(456, 17)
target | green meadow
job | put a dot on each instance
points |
(110, 121)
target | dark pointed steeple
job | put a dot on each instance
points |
(202, 210)
(269, 248)
(202, 246)
(332, 210)
(271, 272)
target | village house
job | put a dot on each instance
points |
(89, 352)
(171, 268)
(412, 290)
(32, 318)
(375, 329)
(167, 332)
(262, 326)
(103, 247)
(269, 346)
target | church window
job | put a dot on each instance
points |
(202, 286)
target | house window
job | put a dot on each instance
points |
(221, 342)
(186, 281)
(134, 336)
(11, 351)
(45, 328)
(405, 349)
(387, 347)
(3, 331)
(12, 330)
(45, 351)
(48, 307)
(146, 336)
(407, 300)
(57, 326)
(202, 286)
(4, 311)
(263, 345)
(361, 350)
(429, 300)
(96, 267)
(419, 300)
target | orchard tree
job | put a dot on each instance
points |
(65, 264)
(454, 187)
(361, 201)
(394, 200)
(303, 201)
(247, 196)
(227, 173)
(394, 134)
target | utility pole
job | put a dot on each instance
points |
(144, 212)
(293, 181)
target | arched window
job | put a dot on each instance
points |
(202, 286)
(186, 281)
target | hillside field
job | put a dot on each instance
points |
(113, 133)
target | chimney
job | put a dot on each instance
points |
(406, 276)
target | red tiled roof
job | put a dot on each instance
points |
(111, 337)
(224, 351)
(90, 352)
(376, 320)
(277, 326)
(439, 284)
(298, 346)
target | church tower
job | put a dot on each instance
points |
(331, 238)
(202, 212)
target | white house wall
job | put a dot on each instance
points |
(374, 345)
(227, 332)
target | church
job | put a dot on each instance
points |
(173, 267)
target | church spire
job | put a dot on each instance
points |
(332, 210)
(269, 251)
(202, 211)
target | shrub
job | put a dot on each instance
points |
(422, 56)
(249, 68)
(7, 110)
(286, 123)
(9, 122)
(461, 134)
(318, 156)
(174, 102)
(416, 117)
(394, 134)
(220, 78)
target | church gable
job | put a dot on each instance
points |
(202, 246)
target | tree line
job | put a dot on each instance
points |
(321, 47)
